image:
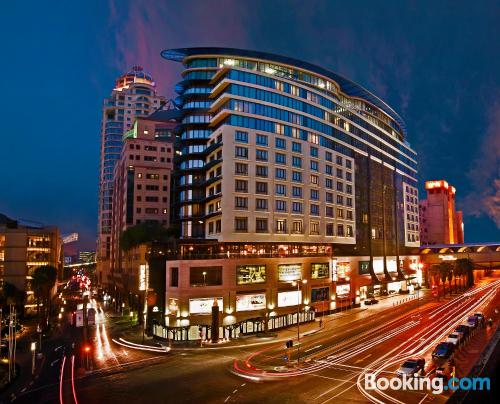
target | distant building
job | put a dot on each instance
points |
(86, 256)
(440, 223)
(142, 179)
(23, 248)
(134, 95)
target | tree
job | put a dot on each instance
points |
(146, 232)
(465, 267)
(444, 268)
(44, 280)
(451, 275)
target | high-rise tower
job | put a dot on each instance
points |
(134, 95)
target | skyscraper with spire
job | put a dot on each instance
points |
(134, 95)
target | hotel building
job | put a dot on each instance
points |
(142, 179)
(286, 171)
(134, 95)
(440, 222)
(25, 247)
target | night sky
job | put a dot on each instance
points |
(436, 63)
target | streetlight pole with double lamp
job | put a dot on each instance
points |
(299, 301)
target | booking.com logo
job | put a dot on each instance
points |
(437, 385)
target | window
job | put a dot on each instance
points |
(329, 197)
(241, 137)
(339, 160)
(241, 224)
(348, 215)
(340, 213)
(320, 271)
(261, 155)
(241, 169)
(314, 179)
(261, 171)
(296, 207)
(261, 188)
(218, 226)
(329, 211)
(210, 227)
(205, 276)
(340, 230)
(241, 203)
(314, 209)
(241, 186)
(281, 205)
(329, 169)
(348, 176)
(281, 226)
(328, 156)
(340, 174)
(314, 165)
(297, 192)
(349, 231)
(340, 200)
(261, 140)
(248, 274)
(280, 174)
(281, 189)
(314, 151)
(296, 176)
(280, 143)
(296, 147)
(328, 183)
(297, 227)
(348, 202)
(314, 195)
(174, 277)
(261, 225)
(280, 158)
(241, 152)
(261, 204)
(348, 189)
(329, 229)
(348, 163)
(340, 186)
(296, 162)
(314, 227)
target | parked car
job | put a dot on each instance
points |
(472, 321)
(455, 338)
(443, 350)
(465, 330)
(412, 367)
(369, 302)
(441, 373)
(480, 318)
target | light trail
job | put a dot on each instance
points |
(73, 378)
(61, 381)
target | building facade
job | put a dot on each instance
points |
(23, 248)
(134, 95)
(286, 171)
(440, 222)
(142, 186)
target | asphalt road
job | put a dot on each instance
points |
(333, 362)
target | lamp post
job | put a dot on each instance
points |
(204, 278)
(33, 351)
(298, 283)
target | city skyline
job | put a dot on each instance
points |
(441, 81)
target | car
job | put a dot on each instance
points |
(455, 338)
(472, 321)
(443, 350)
(369, 302)
(465, 330)
(411, 367)
(441, 374)
(480, 318)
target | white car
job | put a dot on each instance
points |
(454, 338)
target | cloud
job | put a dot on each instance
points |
(484, 198)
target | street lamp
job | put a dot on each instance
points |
(33, 351)
(298, 283)
(204, 278)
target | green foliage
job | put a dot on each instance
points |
(465, 266)
(146, 232)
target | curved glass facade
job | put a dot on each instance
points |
(353, 159)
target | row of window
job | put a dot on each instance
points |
(150, 158)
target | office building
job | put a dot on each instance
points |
(286, 171)
(134, 95)
(440, 222)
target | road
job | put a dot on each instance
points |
(333, 361)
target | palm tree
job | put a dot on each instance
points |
(465, 267)
(444, 268)
(44, 279)
(451, 275)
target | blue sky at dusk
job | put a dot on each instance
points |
(436, 63)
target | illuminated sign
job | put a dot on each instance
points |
(320, 294)
(204, 305)
(248, 274)
(143, 277)
(173, 305)
(289, 272)
(447, 257)
(250, 302)
(292, 298)
(343, 269)
(343, 290)
(439, 184)
(320, 271)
